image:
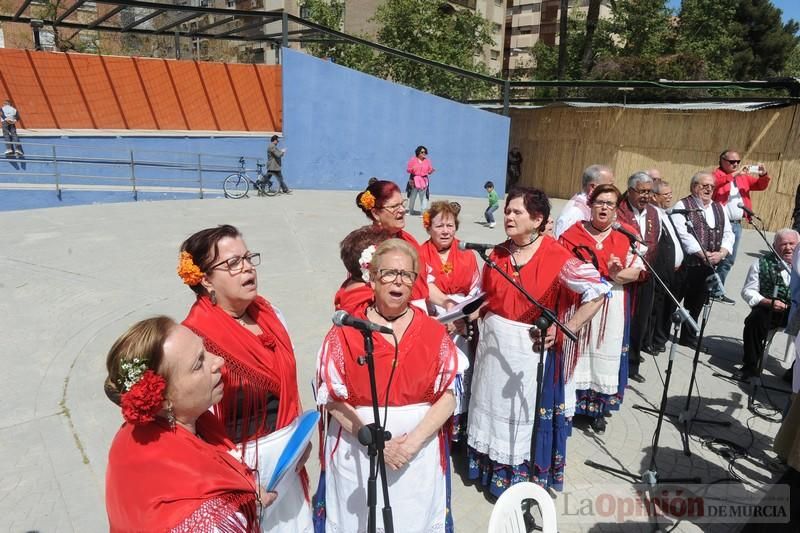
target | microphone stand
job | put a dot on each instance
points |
(760, 232)
(650, 476)
(544, 321)
(374, 437)
(685, 419)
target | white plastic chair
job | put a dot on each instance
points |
(507, 516)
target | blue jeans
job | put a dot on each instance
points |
(726, 264)
(489, 214)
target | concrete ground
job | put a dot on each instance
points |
(76, 277)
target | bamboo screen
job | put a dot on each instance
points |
(557, 143)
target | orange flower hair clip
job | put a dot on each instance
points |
(188, 271)
(426, 219)
(367, 200)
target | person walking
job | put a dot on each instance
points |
(274, 161)
(9, 116)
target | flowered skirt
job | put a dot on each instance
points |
(503, 396)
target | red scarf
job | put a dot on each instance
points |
(456, 275)
(541, 277)
(351, 299)
(584, 246)
(159, 479)
(420, 289)
(425, 353)
(255, 365)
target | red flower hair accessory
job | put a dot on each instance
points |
(144, 391)
(189, 272)
(367, 200)
(426, 219)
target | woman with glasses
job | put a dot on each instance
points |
(383, 204)
(261, 394)
(356, 251)
(415, 369)
(419, 169)
(503, 392)
(455, 272)
(602, 371)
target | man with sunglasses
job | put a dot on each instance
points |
(733, 182)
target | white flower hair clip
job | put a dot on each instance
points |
(365, 260)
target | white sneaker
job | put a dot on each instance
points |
(491, 225)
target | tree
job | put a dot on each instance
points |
(330, 14)
(642, 28)
(436, 31)
(765, 42)
(592, 18)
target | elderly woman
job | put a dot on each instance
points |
(169, 467)
(455, 272)
(356, 251)
(419, 169)
(383, 204)
(602, 371)
(250, 334)
(415, 370)
(504, 378)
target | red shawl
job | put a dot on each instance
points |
(351, 299)
(541, 277)
(425, 353)
(160, 479)
(584, 246)
(457, 274)
(420, 289)
(256, 365)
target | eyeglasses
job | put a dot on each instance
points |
(236, 263)
(600, 203)
(396, 207)
(389, 275)
(733, 161)
(640, 192)
(706, 186)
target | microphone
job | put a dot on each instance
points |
(673, 211)
(631, 237)
(343, 318)
(475, 246)
(748, 211)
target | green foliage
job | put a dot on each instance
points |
(641, 27)
(765, 43)
(330, 14)
(792, 66)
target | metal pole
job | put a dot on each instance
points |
(285, 29)
(200, 173)
(177, 44)
(56, 173)
(133, 178)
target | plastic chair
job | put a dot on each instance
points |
(507, 515)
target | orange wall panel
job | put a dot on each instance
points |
(98, 92)
(129, 89)
(63, 92)
(19, 83)
(80, 91)
(224, 105)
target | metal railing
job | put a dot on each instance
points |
(63, 167)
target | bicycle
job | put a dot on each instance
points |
(239, 184)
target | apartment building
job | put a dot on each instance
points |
(530, 21)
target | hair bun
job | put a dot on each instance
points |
(112, 391)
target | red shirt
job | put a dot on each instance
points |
(744, 182)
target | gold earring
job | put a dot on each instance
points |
(171, 416)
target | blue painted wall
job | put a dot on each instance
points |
(341, 127)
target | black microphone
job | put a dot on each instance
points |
(631, 237)
(475, 246)
(343, 318)
(748, 211)
(673, 211)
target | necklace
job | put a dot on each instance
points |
(599, 244)
(386, 318)
(240, 318)
(521, 246)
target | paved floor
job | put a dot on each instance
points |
(76, 277)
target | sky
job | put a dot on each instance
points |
(790, 8)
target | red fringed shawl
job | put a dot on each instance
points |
(542, 278)
(427, 364)
(457, 274)
(164, 479)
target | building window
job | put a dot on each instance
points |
(496, 27)
(494, 55)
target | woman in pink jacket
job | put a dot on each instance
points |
(419, 169)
